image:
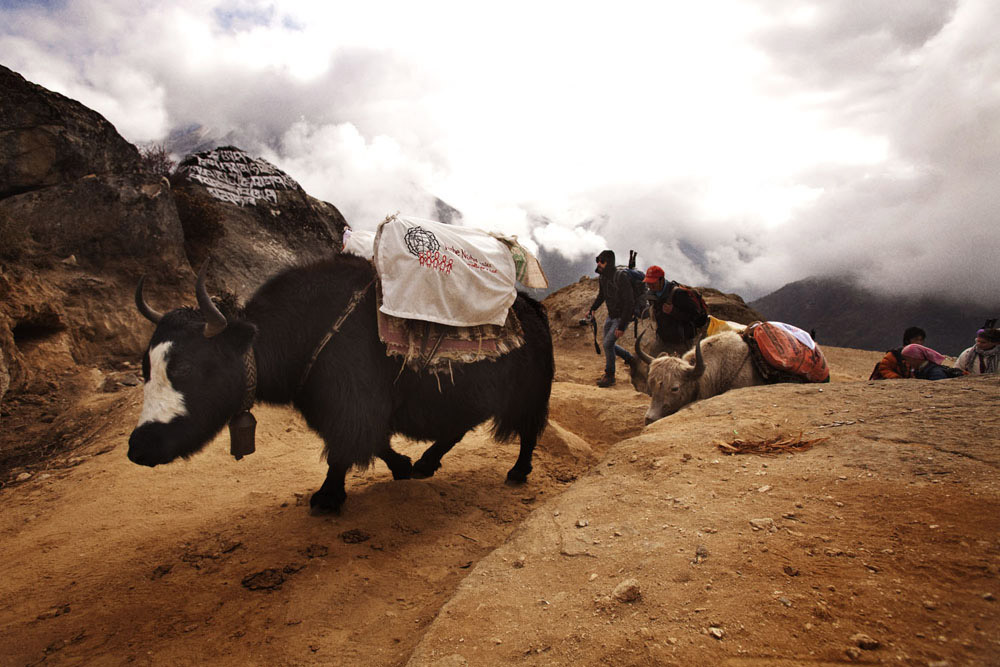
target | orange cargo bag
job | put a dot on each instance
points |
(788, 350)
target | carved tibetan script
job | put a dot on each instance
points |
(235, 177)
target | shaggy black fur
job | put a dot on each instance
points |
(355, 396)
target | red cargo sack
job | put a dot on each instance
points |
(787, 353)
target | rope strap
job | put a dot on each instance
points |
(351, 305)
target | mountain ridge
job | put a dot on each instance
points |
(847, 315)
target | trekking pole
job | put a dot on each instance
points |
(593, 325)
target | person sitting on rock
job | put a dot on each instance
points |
(983, 357)
(928, 364)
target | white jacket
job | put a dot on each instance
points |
(970, 359)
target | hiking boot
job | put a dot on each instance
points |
(605, 381)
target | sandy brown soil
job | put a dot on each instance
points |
(879, 544)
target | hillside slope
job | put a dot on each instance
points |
(886, 530)
(849, 316)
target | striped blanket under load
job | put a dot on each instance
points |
(433, 348)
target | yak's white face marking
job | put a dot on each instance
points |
(160, 402)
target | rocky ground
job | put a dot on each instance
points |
(629, 545)
(872, 537)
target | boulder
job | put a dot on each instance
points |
(250, 218)
(68, 283)
(730, 307)
(47, 139)
(122, 224)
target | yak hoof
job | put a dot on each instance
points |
(517, 477)
(423, 470)
(324, 503)
(403, 470)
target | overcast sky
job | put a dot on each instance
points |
(742, 144)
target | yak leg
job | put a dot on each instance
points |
(331, 496)
(430, 460)
(522, 467)
(399, 464)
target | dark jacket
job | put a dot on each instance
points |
(679, 324)
(615, 289)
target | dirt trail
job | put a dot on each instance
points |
(216, 561)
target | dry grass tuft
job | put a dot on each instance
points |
(781, 444)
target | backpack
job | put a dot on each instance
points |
(700, 318)
(637, 279)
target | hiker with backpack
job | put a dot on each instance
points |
(892, 366)
(616, 292)
(679, 311)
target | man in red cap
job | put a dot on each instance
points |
(678, 316)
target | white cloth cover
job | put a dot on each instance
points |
(359, 242)
(459, 276)
(803, 336)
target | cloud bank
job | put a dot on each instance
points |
(742, 145)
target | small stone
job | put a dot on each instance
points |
(53, 612)
(762, 524)
(930, 604)
(354, 536)
(791, 571)
(592, 577)
(989, 597)
(764, 489)
(582, 523)
(718, 633)
(865, 642)
(785, 601)
(853, 653)
(627, 591)
(23, 477)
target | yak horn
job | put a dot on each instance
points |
(215, 321)
(143, 307)
(699, 362)
(638, 350)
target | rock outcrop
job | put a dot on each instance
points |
(47, 139)
(78, 225)
(249, 218)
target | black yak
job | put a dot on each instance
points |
(199, 365)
